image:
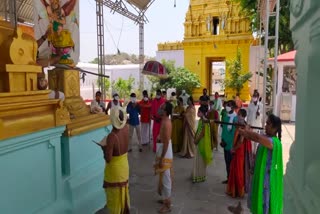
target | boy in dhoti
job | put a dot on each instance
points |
(164, 157)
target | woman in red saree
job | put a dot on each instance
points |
(236, 181)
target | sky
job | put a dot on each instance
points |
(165, 24)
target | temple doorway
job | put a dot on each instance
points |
(217, 73)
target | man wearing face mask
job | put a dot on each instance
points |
(133, 110)
(173, 99)
(184, 97)
(255, 115)
(227, 135)
(156, 103)
(217, 103)
(114, 103)
(204, 100)
(145, 118)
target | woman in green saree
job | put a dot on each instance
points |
(203, 154)
(267, 184)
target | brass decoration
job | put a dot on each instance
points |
(62, 114)
(19, 49)
(76, 106)
(68, 81)
(23, 108)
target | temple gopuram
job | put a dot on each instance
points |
(214, 31)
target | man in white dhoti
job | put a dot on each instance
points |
(164, 157)
(254, 117)
(145, 118)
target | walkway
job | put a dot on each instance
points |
(188, 198)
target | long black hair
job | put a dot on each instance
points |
(276, 123)
(191, 100)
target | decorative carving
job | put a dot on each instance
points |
(19, 49)
(62, 114)
(76, 106)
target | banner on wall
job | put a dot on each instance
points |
(56, 26)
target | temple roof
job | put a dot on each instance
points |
(286, 57)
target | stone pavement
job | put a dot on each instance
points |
(187, 198)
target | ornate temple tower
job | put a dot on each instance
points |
(214, 30)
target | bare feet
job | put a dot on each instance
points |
(164, 209)
(236, 209)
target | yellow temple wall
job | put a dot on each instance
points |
(199, 56)
(203, 45)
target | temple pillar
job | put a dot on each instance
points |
(301, 184)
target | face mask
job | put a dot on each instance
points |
(254, 99)
(216, 96)
(116, 97)
(158, 96)
(160, 112)
(133, 99)
(173, 97)
(145, 98)
(228, 108)
(240, 120)
(212, 106)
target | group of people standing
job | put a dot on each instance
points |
(256, 171)
(252, 169)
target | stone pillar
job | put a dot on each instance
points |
(302, 186)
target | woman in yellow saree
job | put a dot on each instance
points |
(189, 126)
(177, 122)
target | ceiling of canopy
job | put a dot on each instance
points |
(141, 4)
(24, 10)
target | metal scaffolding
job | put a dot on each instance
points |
(100, 46)
(267, 11)
(140, 19)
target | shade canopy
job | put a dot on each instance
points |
(141, 4)
(155, 68)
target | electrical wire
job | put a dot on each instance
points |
(120, 36)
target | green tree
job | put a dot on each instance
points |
(183, 78)
(178, 78)
(123, 87)
(249, 9)
(237, 77)
(107, 84)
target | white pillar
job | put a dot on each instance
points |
(302, 186)
(141, 55)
